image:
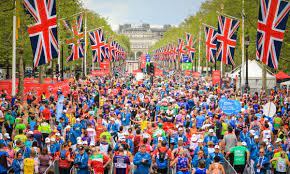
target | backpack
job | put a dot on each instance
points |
(161, 159)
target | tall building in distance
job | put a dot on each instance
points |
(142, 37)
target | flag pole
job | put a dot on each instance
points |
(199, 38)
(13, 92)
(85, 57)
(243, 44)
(222, 11)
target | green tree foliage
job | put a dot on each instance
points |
(65, 9)
(208, 14)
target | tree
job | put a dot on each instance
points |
(209, 15)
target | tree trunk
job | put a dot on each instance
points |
(21, 76)
(41, 70)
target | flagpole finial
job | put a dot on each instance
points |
(222, 7)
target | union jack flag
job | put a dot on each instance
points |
(210, 43)
(190, 50)
(76, 43)
(117, 48)
(43, 34)
(273, 16)
(227, 39)
(113, 50)
(98, 43)
(175, 51)
(107, 49)
(180, 49)
(171, 52)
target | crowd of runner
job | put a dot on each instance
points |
(171, 124)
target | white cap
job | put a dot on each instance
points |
(252, 132)
(78, 119)
(52, 139)
(79, 138)
(269, 146)
(30, 132)
(216, 146)
(244, 143)
(193, 138)
(210, 130)
(64, 111)
(180, 138)
(160, 139)
(122, 138)
(126, 133)
(6, 135)
(256, 137)
(79, 142)
(265, 140)
(92, 143)
(146, 136)
(267, 136)
(188, 116)
(47, 140)
(85, 142)
(68, 127)
(57, 134)
(278, 140)
(200, 140)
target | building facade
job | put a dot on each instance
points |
(142, 37)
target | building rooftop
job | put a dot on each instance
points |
(143, 27)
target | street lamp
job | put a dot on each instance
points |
(247, 43)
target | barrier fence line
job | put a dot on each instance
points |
(228, 167)
(50, 167)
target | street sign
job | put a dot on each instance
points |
(147, 57)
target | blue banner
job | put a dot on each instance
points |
(59, 107)
(230, 107)
(221, 101)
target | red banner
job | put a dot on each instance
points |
(105, 64)
(134, 72)
(158, 72)
(143, 61)
(196, 75)
(101, 72)
(216, 77)
(187, 72)
(31, 84)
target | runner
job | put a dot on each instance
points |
(241, 157)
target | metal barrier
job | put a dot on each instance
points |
(51, 166)
(73, 170)
(228, 167)
(10, 170)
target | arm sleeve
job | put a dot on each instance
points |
(149, 159)
(136, 160)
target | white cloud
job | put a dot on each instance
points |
(154, 12)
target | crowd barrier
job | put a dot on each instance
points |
(52, 166)
(228, 167)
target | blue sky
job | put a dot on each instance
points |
(154, 12)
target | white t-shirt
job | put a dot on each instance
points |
(1, 114)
